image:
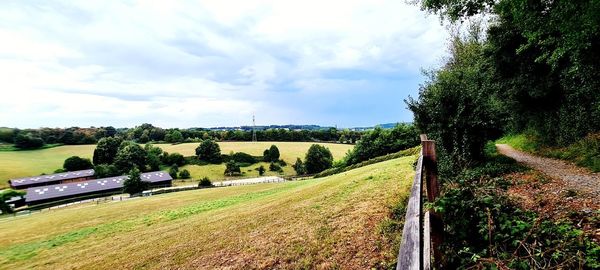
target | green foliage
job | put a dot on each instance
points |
(457, 9)
(209, 151)
(106, 150)
(130, 155)
(153, 156)
(340, 169)
(232, 168)
(241, 157)
(261, 170)
(274, 167)
(173, 170)
(28, 141)
(106, 170)
(299, 167)
(318, 158)
(174, 136)
(271, 154)
(184, 174)
(134, 184)
(175, 158)
(205, 182)
(520, 142)
(76, 163)
(379, 142)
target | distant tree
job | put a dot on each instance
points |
(205, 182)
(130, 155)
(145, 137)
(241, 157)
(274, 167)
(106, 150)
(174, 136)
(175, 158)
(267, 155)
(261, 170)
(6, 195)
(232, 168)
(271, 154)
(27, 141)
(318, 158)
(134, 184)
(209, 151)
(105, 170)
(153, 155)
(299, 167)
(173, 171)
(76, 163)
(110, 131)
(184, 174)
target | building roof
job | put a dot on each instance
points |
(37, 180)
(89, 186)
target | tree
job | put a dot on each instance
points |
(173, 171)
(184, 174)
(318, 158)
(153, 154)
(6, 195)
(175, 158)
(209, 151)
(105, 170)
(106, 150)
(261, 170)
(271, 154)
(205, 182)
(130, 155)
(241, 157)
(274, 167)
(76, 163)
(232, 168)
(134, 184)
(174, 136)
(299, 167)
(27, 141)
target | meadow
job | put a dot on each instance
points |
(14, 164)
(340, 221)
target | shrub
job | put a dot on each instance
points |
(261, 170)
(27, 141)
(76, 163)
(105, 170)
(134, 184)
(299, 167)
(241, 157)
(205, 182)
(184, 174)
(282, 163)
(175, 158)
(173, 171)
(232, 168)
(209, 151)
(318, 158)
(274, 167)
(271, 154)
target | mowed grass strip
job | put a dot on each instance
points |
(321, 223)
(15, 164)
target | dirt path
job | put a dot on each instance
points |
(577, 178)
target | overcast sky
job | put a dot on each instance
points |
(212, 63)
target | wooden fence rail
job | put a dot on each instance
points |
(422, 232)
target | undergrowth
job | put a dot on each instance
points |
(484, 229)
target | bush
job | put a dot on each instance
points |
(105, 170)
(271, 154)
(241, 157)
(61, 170)
(175, 159)
(282, 163)
(76, 163)
(318, 158)
(184, 174)
(261, 170)
(27, 141)
(205, 182)
(232, 168)
(134, 184)
(274, 167)
(173, 171)
(209, 151)
(299, 167)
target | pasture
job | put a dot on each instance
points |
(15, 164)
(340, 221)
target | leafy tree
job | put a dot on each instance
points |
(299, 167)
(145, 137)
(175, 158)
(105, 170)
(274, 167)
(318, 158)
(174, 136)
(205, 182)
(241, 157)
(184, 174)
(6, 195)
(271, 154)
(209, 151)
(379, 142)
(232, 168)
(134, 184)
(27, 141)
(76, 163)
(130, 155)
(173, 171)
(261, 170)
(153, 154)
(106, 150)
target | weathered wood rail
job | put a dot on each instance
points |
(422, 233)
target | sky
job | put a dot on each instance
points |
(213, 63)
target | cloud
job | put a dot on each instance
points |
(214, 63)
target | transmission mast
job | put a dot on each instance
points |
(254, 129)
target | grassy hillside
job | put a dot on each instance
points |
(340, 221)
(34, 162)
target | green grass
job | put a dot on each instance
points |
(331, 222)
(14, 164)
(11, 147)
(520, 142)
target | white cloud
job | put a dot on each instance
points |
(188, 63)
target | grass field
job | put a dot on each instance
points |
(339, 221)
(15, 164)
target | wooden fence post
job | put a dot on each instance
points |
(433, 191)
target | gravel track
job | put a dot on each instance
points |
(575, 177)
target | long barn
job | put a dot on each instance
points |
(90, 188)
(51, 179)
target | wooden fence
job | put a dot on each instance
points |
(422, 233)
